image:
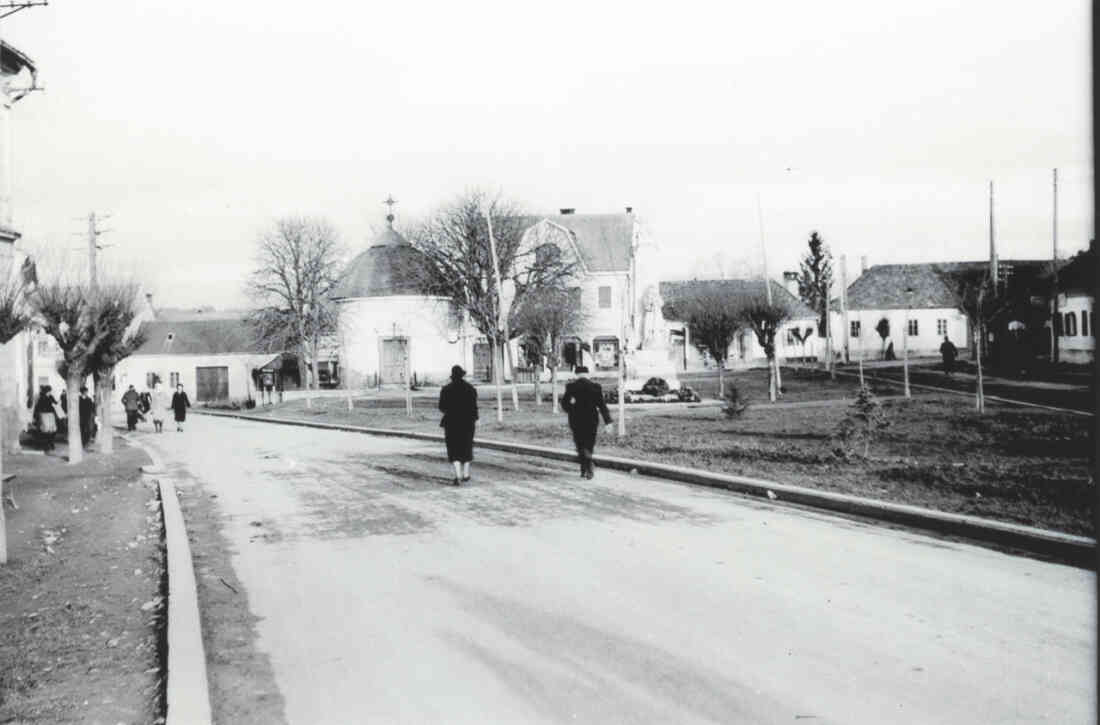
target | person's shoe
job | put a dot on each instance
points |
(465, 478)
(456, 482)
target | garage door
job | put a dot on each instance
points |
(211, 384)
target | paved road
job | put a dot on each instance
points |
(534, 596)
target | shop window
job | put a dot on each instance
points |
(1071, 324)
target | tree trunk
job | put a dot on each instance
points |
(105, 438)
(497, 365)
(538, 374)
(554, 386)
(303, 373)
(512, 368)
(771, 381)
(721, 381)
(779, 377)
(980, 397)
(3, 522)
(76, 446)
(861, 383)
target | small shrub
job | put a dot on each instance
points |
(736, 402)
(862, 424)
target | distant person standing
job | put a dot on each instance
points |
(583, 401)
(949, 353)
(158, 404)
(458, 402)
(180, 404)
(131, 403)
(86, 408)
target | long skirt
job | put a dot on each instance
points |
(460, 443)
(181, 414)
(47, 423)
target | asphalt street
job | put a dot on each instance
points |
(531, 595)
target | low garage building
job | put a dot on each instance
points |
(212, 358)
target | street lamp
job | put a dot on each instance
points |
(905, 337)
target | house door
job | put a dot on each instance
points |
(483, 364)
(211, 384)
(394, 351)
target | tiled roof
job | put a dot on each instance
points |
(198, 337)
(605, 241)
(672, 290)
(883, 286)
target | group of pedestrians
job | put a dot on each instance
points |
(156, 404)
(48, 413)
(582, 401)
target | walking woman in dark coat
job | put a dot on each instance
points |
(180, 404)
(45, 414)
(458, 401)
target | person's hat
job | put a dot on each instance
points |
(457, 372)
(580, 369)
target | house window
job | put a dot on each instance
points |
(44, 346)
(43, 380)
(855, 328)
(150, 380)
(173, 379)
(941, 327)
(1071, 324)
(1084, 323)
(605, 298)
(790, 336)
(913, 329)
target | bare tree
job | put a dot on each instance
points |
(979, 301)
(545, 317)
(456, 262)
(713, 317)
(765, 318)
(114, 307)
(15, 316)
(297, 266)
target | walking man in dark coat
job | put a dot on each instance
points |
(458, 401)
(130, 400)
(87, 415)
(583, 401)
(949, 353)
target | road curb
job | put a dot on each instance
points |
(188, 694)
(1076, 550)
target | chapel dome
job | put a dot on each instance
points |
(388, 267)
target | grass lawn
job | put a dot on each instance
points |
(1014, 464)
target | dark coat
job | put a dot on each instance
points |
(583, 402)
(948, 350)
(87, 410)
(130, 400)
(180, 404)
(45, 403)
(458, 401)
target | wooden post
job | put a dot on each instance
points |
(1055, 322)
(844, 307)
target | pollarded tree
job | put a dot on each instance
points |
(713, 317)
(115, 315)
(816, 278)
(546, 316)
(15, 315)
(298, 262)
(765, 318)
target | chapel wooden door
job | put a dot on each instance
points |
(394, 351)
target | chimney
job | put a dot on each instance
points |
(790, 281)
(863, 264)
(567, 211)
(630, 210)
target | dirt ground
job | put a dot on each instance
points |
(241, 680)
(1021, 465)
(81, 621)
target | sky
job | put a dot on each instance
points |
(729, 128)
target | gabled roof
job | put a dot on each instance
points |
(746, 288)
(198, 337)
(883, 286)
(605, 241)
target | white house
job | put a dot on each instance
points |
(745, 350)
(388, 328)
(214, 359)
(1076, 326)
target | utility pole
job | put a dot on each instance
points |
(94, 246)
(844, 306)
(1055, 322)
(500, 313)
(994, 272)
